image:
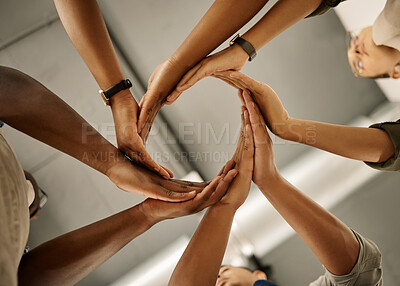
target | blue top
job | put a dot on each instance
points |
(1, 123)
(263, 283)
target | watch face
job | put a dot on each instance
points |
(105, 99)
(234, 39)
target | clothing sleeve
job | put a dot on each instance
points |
(393, 130)
(366, 272)
(325, 6)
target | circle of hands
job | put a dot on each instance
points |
(170, 198)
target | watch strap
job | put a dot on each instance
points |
(245, 45)
(124, 84)
(107, 94)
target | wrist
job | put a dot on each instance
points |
(148, 219)
(281, 127)
(179, 63)
(272, 181)
(112, 161)
(138, 213)
(226, 208)
(239, 52)
(121, 98)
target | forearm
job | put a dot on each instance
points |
(223, 19)
(67, 259)
(31, 108)
(331, 240)
(206, 249)
(86, 28)
(360, 143)
(281, 16)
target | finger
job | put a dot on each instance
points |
(236, 156)
(201, 185)
(246, 80)
(145, 159)
(257, 121)
(171, 196)
(231, 81)
(240, 95)
(228, 81)
(250, 105)
(172, 97)
(254, 108)
(150, 120)
(142, 101)
(236, 81)
(242, 129)
(169, 171)
(209, 190)
(180, 87)
(248, 149)
(223, 186)
(202, 72)
(147, 104)
(151, 79)
(176, 186)
(226, 168)
(143, 115)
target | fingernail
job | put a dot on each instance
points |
(236, 173)
(172, 96)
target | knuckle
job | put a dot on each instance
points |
(169, 193)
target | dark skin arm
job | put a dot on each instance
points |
(85, 26)
(67, 259)
(31, 108)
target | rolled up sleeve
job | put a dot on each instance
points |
(393, 130)
(324, 7)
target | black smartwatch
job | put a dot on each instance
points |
(245, 45)
(107, 94)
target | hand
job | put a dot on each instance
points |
(138, 180)
(231, 58)
(240, 187)
(268, 101)
(157, 210)
(161, 82)
(264, 164)
(125, 113)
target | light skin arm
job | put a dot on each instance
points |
(333, 243)
(359, 143)
(67, 259)
(281, 16)
(29, 107)
(86, 28)
(206, 249)
(223, 19)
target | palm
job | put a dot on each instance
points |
(161, 82)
